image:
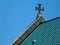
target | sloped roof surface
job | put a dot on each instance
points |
(47, 33)
(28, 31)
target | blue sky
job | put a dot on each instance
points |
(17, 15)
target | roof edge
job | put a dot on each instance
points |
(29, 30)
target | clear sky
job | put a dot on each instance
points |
(17, 15)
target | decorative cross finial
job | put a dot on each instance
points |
(39, 8)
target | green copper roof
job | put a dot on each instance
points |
(40, 31)
(47, 33)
